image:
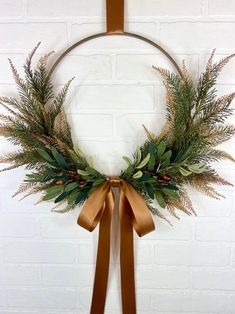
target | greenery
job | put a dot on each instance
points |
(161, 169)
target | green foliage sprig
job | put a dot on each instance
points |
(161, 169)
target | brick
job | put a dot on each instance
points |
(217, 7)
(181, 230)
(14, 205)
(63, 226)
(11, 181)
(81, 8)
(192, 254)
(83, 67)
(231, 303)
(142, 300)
(221, 230)
(227, 165)
(42, 298)
(196, 36)
(145, 252)
(233, 258)
(6, 73)
(26, 35)
(130, 125)
(87, 252)
(209, 207)
(164, 8)
(109, 152)
(8, 90)
(6, 147)
(40, 252)
(184, 303)
(11, 8)
(178, 312)
(134, 8)
(81, 30)
(223, 89)
(140, 66)
(19, 311)
(161, 278)
(20, 275)
(213, 280)
(64, 276)
(101, 98)
(2, 297)
(93, 125)
(18, 226)
(226, 76)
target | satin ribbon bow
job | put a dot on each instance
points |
(133, 213)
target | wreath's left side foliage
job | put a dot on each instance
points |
(37, 124)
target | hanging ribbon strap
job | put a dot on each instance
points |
(133, 213)
(115, 16)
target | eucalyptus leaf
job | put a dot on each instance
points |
(82, 172)
(196, 168)
(127, 160)
(71, 186)
(98, 182)
(94, 172)
(159, 198)
(61, 197)
(82, 195)
(90, 161)
(149, 190)
(171, 193)
(151, 181)
(165, 163)
(44, 155)
(145, 177)
(53, 192)
(167, 187)
(182, 155)
(137, 175)
(138, 155)
(59, 158)
(167, 155)
(55, 188)
(127, 173)
(152, 148)
(161, 148)
(143, 162)
(151, 162)
(78, 151)
(73, 196)
(184, 172)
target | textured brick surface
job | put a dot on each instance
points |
(47, 261)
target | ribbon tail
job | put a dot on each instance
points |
(102, 260)
(127, 257)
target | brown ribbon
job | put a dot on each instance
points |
(133, 213)
(115, 16)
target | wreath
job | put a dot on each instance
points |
(161, 169)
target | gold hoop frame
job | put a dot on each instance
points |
(104, 34)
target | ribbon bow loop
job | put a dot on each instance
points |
(94, 207)
(133, 213)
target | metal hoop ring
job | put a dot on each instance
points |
(80, 42)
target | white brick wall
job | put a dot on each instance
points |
(46, 260)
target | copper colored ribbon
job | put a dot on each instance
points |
(115, 16)
(133, 213)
